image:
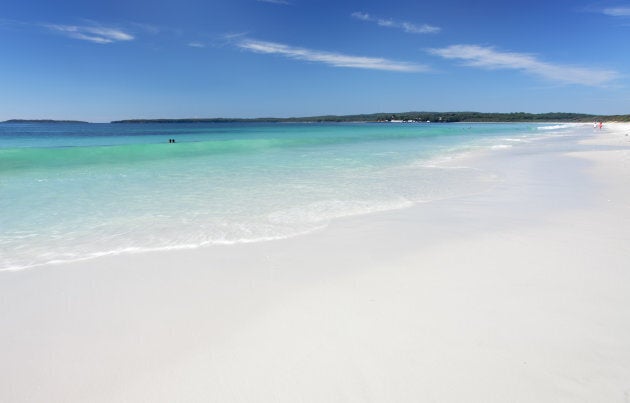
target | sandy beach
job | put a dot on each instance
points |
(516, 294)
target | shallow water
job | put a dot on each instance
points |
(75, 191)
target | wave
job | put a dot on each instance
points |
(17, 264)
(558, 126)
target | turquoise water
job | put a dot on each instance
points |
(75, 191)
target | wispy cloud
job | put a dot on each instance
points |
(196, 45)
(489, 58)
(330, 58)
(232, 36)
(390, 23)
(617, 11)
(96, 34)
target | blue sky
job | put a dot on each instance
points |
(120, 59)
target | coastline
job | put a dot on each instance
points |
(514, 294)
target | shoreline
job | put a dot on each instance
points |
(87, 255)
(514, 294)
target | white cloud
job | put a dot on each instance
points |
(96, 34)
(405, 26)
(330, 58)
(617, 11)
(362, 16)
(489, 58)
(196, 45)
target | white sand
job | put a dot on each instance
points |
(518, 294)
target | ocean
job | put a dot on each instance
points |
(77, 191)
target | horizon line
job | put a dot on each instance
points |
(276, 118)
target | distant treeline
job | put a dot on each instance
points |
(438, 117)
(445, 117)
